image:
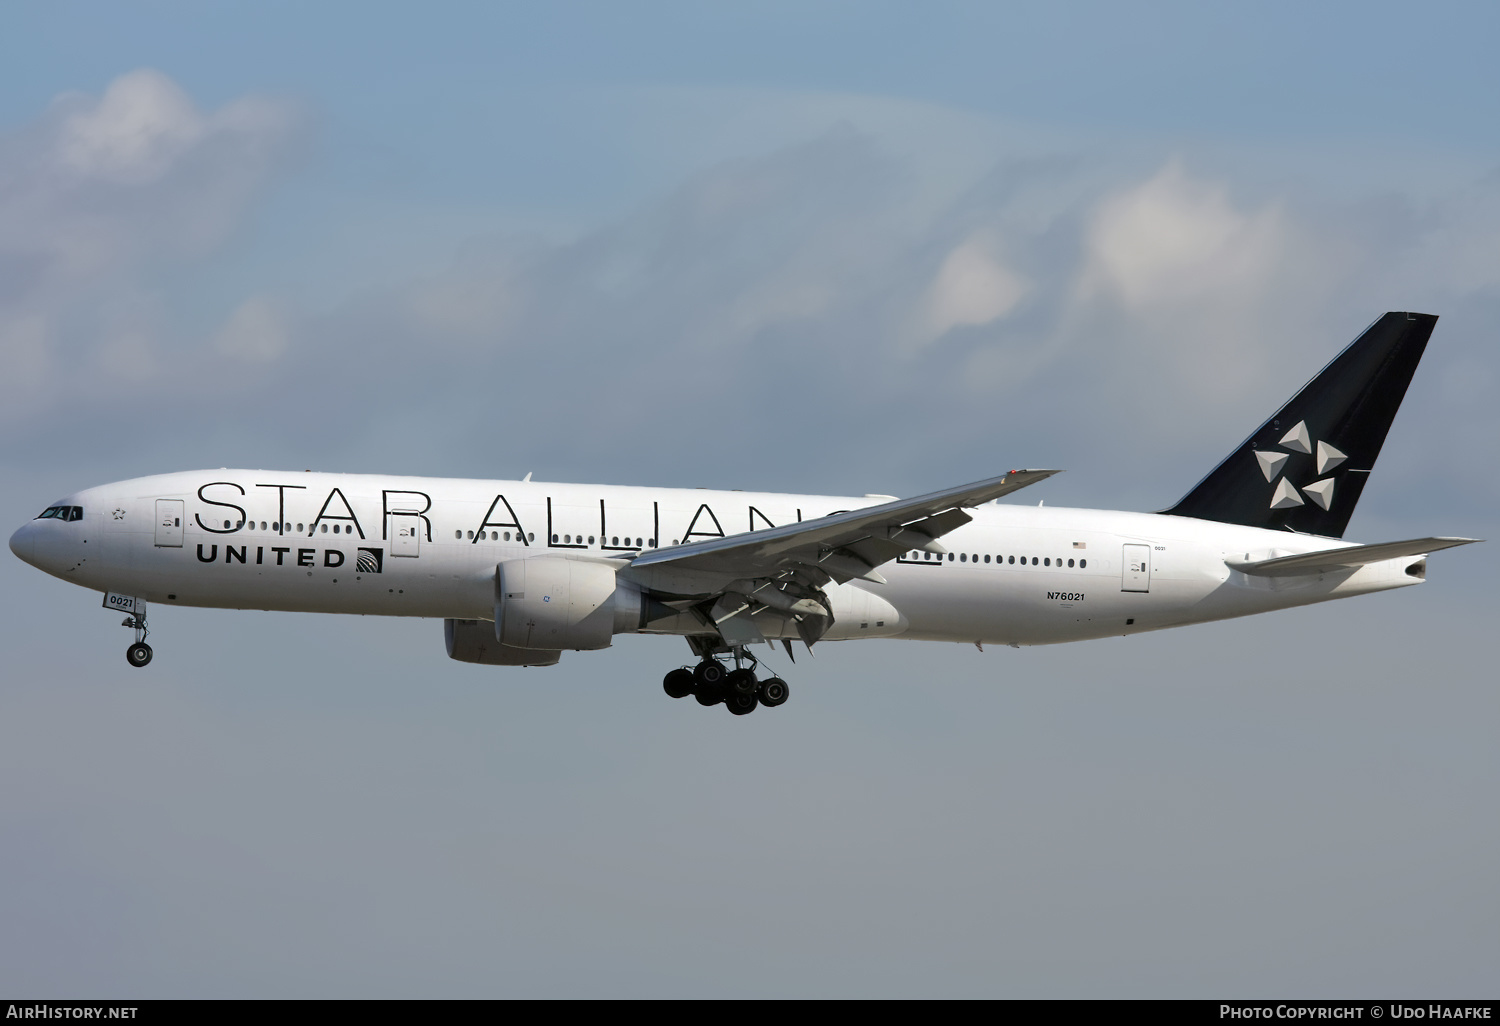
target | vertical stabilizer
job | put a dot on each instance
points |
(1304, 469)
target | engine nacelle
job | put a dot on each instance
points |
(552, 602)
(473, 641)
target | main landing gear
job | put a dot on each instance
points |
(139, 653)
(739, 690)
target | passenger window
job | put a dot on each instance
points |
(986, 559)
(1033, 561)
(1070, 563)
(1082, 563)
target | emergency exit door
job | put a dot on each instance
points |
(1135, 571)
(169, 523)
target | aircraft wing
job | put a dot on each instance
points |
(845, 546)
(1343, 559)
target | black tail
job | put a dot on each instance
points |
(1304, 469)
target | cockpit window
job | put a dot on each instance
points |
(62, 513)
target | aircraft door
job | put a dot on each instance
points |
(406, 534)
(169, 513)
(1135, 572)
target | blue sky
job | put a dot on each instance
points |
(921, 243)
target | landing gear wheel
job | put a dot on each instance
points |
(678, 683)
(709, 674)
(708, 695)
(740, 682)
(741, 704)
(773, 691)
(138, 654)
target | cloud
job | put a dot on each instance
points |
(806, 299)
(1174, 240)
(100, 195)
(971, 288)
(133, 134)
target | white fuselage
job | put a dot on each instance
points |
(428, 547)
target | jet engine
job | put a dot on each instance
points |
(473, 641)
(552, 602)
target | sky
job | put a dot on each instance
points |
(825, 247)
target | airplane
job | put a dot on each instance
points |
(522, 571)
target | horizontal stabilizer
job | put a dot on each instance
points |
(1343, 559)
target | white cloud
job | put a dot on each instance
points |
(133, 133)
(1174, 240)
(101, 193)
(971, 287)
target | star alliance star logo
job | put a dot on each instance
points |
(1286, 495)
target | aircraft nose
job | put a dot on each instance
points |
(23, 543)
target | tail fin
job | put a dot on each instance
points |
(1304, 469)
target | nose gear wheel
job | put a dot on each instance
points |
(139, 653)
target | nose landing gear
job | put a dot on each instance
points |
(711, 683)
(139, 653)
